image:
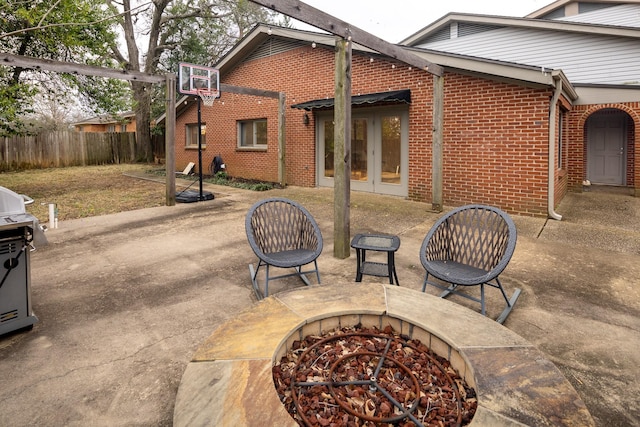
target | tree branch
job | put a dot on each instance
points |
(48, 12)
(197, 13)
(64, 24)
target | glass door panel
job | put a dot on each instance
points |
(391, 144)
(379, 151)
(328, 148)
(359, 138)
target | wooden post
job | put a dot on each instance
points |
(282, 171)
(437, 137)
(170, 140)
(342, 150)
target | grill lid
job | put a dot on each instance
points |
(11, 203)
(13, 215)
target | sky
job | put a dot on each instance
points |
(396, 20)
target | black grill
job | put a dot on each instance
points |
(17, 230)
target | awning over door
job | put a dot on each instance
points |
(393, 97)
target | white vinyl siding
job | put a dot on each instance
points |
(625, 15)
(584, 58)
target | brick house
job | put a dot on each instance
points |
(125, 122)
(500, 146)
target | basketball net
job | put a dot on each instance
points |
(208, 97)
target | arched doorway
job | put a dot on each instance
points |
(608, 134)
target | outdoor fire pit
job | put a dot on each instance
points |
(504, 379)
(358, 376)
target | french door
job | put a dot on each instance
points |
(379, 151)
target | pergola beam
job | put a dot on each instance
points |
(242, 90)
(319, 19)
(31, 63)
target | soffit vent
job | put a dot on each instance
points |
(442, 34)
(273, 46)
(468, 29)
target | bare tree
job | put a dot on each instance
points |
(177, 30)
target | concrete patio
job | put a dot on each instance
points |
(125, 300)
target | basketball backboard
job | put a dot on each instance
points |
(194, 78)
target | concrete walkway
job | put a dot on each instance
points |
(125, 300)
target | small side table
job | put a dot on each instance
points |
(379, 243)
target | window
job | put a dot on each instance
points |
(191, 133)
(123, 128)
(252, 133)
(111, 128)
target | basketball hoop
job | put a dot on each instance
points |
(208, 97)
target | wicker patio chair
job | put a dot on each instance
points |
(282, 234)
(470, 246)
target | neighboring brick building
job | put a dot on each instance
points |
(125, 122)
(500, 147)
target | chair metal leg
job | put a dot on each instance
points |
(504, 294)
(447, 291)
(509, 307)
(266, 284)
(450, 290)
(510, 302)
(302, 275)
(315, 263)
(254, 280)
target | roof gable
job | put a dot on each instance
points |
(254, 45)
(625, 15)
(618, 20)
(599, 46)
(587, 59)
(564, 8)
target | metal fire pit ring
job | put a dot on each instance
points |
(372, 382)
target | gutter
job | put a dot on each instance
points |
(552, 148)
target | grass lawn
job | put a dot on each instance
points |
(86, 191)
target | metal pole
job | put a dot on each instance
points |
(169, 143)
(437, 138)
(201, 196)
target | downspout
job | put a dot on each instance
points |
(552, 149)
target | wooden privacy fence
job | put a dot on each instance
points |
(67, 148)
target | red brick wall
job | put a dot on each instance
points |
(495, 133)
(495, 144)
(94, 128)
(303, 74)
(131, 126)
